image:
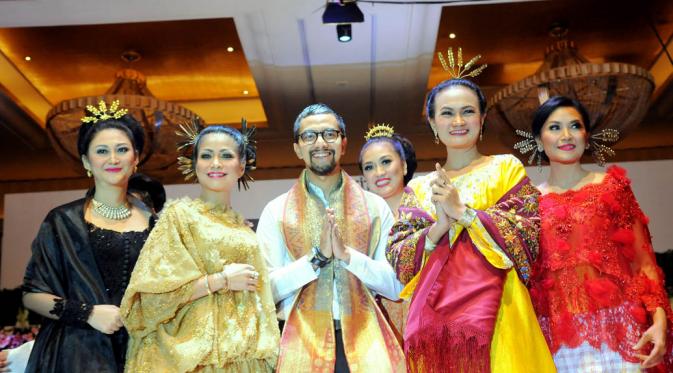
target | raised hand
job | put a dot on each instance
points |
(326, 236)
(445, 196)
(105, 318)
(340, 250)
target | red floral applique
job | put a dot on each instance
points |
(603, 292)
(610, 202)
(618, 173)
(644, 219)
(595, 258)
(639, 314)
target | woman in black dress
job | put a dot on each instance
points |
(85, 251)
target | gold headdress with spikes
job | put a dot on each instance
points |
(250, 144)
(380, 130)
(462, 71)
(102, 112)
(189, 132)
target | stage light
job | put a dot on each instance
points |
(344, 32)
(342, 12)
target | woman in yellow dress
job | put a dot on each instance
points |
(463, 244)
(199, 299)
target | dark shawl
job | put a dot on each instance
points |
(63, 264)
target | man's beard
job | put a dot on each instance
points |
(325, 169)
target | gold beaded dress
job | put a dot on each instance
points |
(228, 331)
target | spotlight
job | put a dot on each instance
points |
(344, 32)
(342, 12)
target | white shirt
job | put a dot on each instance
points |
(288, 276)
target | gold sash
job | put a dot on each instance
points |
(308, 340)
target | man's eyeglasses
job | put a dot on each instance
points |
(310, 137)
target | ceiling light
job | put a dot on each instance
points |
(452, 36)
(615, 94)
(28, 58)
(245, 92)
(230, 49)
(158, 118)
(344, 32)
(342, 12)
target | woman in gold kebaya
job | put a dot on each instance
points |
(199, 298)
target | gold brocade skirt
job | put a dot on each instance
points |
(245, 366)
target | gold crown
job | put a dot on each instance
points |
(463, 71)
(380, 130)
(103, 113)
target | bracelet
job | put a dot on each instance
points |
(319, 260)
(225, 281)
(71, 312)
(468, 217)
(429, 245)
(208, 285)
(319, 254)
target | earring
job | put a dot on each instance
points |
(135, 169)
(481, 133)
(529, 145)
(436, 137)
(88, 173)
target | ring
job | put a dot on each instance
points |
(255, 275)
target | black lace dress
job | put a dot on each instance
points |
(116, 254)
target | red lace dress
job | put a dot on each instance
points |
(596, 281)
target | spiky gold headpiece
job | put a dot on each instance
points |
(461, 71)
(380, 130)
(103, 113)
(188, 132)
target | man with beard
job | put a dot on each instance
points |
(324, 242)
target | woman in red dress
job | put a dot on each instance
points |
(596, 288)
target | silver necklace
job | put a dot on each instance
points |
(113, 213)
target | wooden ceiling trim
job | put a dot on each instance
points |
(22, 91)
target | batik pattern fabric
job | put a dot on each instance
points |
(597, 282)
(470, 308)
(228, 331)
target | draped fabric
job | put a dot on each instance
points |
(228, 331)
(308, 340)
(470, 309)
(597, 280)
(63, 264)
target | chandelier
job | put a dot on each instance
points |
(158, 118)
(615, 94)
